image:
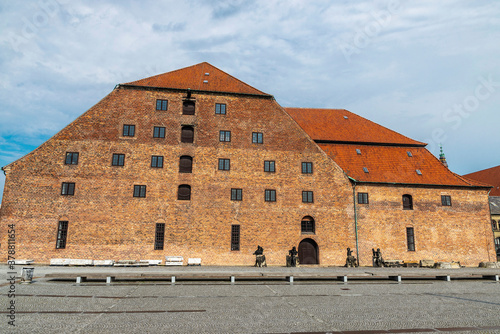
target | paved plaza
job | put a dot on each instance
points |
(252, 306)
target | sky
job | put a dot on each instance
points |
(426, 69)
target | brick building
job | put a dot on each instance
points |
(196, 163)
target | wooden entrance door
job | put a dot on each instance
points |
(308, 252)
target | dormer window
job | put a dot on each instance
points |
(358, 151)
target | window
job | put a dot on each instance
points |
(187, 134)
(307, 197)
(159, 236)
(365, 170)
(270, 195)
(494, 225)
(185, 164)
(224, 164)
(358, 151)
(184, 192)
(220, 108)
(62, 234)
(128, 130)
(257, 138)
(446, 200)
(224, 135)
(235, 237)
(68, 189)
(419, 172)
(269, 166)
(71, 158)
(188, 107)
(407, 202)
(159, 132)
(410, 238)
(157, 161)
(307, 168)
(362, 198)
(236, 194)
(139, 191)
(409, 154)
(161, 104)
(307, 225)
(118, 159)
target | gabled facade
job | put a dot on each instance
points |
(196, 163)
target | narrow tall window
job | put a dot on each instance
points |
(494, 225)
(235, 237)
(128, 130)
(184, 192)
(407, 202)
(270, 195)
(118, 159)
(188, 107)
(220, 108)
(236, 194)
(269, 166)
(157, 161)
(224, 164)
(224, 135)
(68, 188)
(187, 134)
(446, 200)
(307, 225)
(257, 137)
(71, 158)
(159, 132)
(307, 168)
(362, 198)
(307, 197)
(161, 104)
(62, 234)
(139, 191)
(410, 237)
(185, 164)
(159, 236)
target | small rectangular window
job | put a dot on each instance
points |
(224, 164)
(410, 237)
(68, 188)
(358, 151)
(236, 194)
(139, 191)
(235, 237)
(257, 138)
(269, 166)
(159, 132)
(71, 158)
(365, 170)
(159, 236)
(161, 104)
(224, 135)
(128, 130)
(220, 108)
(157, 161)
(118, 159)
(362, 198)
(307, 197)
(62, 234)
(446, 200)
(270, 195)
(307, 168)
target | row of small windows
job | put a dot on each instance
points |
(407, 200)
(185, 163)
(189, 107)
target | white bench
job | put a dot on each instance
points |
(153, 262)
(103, 263)
(80, 262)
(174, 260)
(26, 262)
(59, 262)
(196, 261)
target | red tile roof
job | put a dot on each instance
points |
(341, 125)
(489, 176)
(391, 164)
(202, 77)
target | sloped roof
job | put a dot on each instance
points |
(341, 125)
(489, 176)
(201, 77)
(392, 164)
(495, 205)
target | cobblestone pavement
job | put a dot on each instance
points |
(47, 306)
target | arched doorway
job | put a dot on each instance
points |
(308, 252)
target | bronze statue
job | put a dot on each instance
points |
(350, 260)
(260, 258)
(378, 261)
(291, 259)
